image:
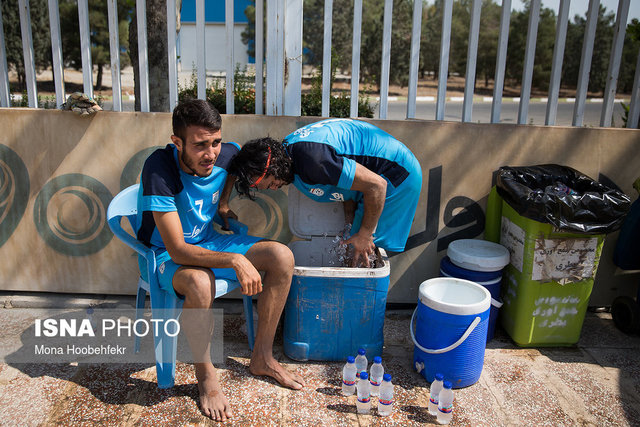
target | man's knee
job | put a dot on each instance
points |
(283, 257)
(196, 284)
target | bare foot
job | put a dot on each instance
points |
(213, 403)
(271, 367)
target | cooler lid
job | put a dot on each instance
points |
(308, 218)
(478, 255)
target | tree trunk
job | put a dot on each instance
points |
(156, 54)
(99, 77)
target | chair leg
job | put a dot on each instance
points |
(140, 300)
(165, 347)
(248, 315)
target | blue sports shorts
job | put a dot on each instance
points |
(166, 268)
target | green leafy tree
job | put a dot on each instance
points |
(601, 50)
(99, 33)
(629, 57)
(544, 47)
(40, 34)
(430, 39)
(488, 40)
(371, 49)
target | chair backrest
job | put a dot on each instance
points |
(125, 204)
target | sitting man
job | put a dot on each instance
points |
(342, 160)
(182, 185)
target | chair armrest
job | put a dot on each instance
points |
(235, 226)
(128, 239)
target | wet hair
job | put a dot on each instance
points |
(195, 112)
(252, 160)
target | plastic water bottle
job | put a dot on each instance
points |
(363, 404)
(434, 392)
(445, 404)
(375, 375)
(349, 377)
(361, 362)
(385, 401)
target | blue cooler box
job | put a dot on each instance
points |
(331, 311)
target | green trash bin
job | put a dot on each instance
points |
(548, 282)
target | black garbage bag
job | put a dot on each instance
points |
(563, 197)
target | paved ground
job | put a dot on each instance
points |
(594, 383)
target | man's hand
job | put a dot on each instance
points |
(225, 213)
(248, 276)
(363, 246)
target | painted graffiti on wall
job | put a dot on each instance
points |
(70, 210)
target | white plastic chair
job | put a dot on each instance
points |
(163, 304)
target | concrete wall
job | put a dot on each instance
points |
(58, 172)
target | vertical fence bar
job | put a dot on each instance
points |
(614, 63)
(171, 52)
(272, 16)
(114, 49)
(5, 98)
(585, 62)
(472, 55)
(275, 56)
(143, 61)
(326, 57)
(201, 55)
(444, 58)
(415, 59)
(27, 51)
(56, 51)
(634, 107)
(355, 58)
(280, 70)
(85, 47)
(386, 58)
(529, 59)
(259, 44)
(501, 61)
(556, 63)
(228, 25)
(293, 58)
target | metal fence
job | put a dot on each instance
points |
(284, 58)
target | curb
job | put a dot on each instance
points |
(489, 99)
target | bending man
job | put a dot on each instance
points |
(342, 160)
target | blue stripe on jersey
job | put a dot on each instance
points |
(347, 174)
(158, 203)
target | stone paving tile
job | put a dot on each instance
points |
(27, 394)
(599, 401)
(523, 395)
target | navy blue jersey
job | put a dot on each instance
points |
(167, 188)
(324, 158)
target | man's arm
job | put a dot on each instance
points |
(223, 207)
(183, 253)
(373, 188)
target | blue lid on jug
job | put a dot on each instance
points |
(478, 255)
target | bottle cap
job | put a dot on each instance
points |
(361, 351)
(446, 384)
(377, 359)
(350, 359)
(439, 377)
(364, 375)
(387, 377)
